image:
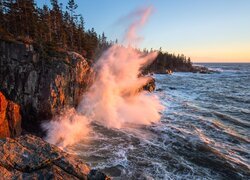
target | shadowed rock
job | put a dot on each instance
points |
(41, 85)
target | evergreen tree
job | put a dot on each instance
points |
(53, 29)
(72, 6)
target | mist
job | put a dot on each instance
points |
(113, 99)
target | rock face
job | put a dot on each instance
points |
(10, 118)
(41, 86)
(29, 157)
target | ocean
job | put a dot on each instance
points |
(204, 132)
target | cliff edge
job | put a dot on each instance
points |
(41, 85)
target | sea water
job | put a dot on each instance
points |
(204, 132)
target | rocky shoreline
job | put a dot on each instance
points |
(29, 157)
(35, 88)
(193, 69)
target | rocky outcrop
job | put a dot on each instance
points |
(166, 68)
(193, 69)
(202, 70)
(29, 157)
(10, 118)
(40, 85)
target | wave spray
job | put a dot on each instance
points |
(113, 99)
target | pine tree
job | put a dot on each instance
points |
(55, 20)
(72, 6)
(51, 29)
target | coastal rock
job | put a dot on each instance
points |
(10, 118)
(193, 69)
(150, 86)
(41, 85)
(29, 157)
(44, 85)
(202, 70)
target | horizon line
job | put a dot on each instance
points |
(219, 62)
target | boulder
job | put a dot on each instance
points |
(29, 157)
(150, 86)
(169, 71)
(41, 85)
(10, 118)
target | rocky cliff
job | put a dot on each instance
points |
(29, 157)
(10, 118)
(41, 85)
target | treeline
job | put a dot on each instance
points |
(49, 29)
(166, 61)
(58, 29)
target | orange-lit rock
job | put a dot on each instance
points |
(4, 124)
(150, 86)
(10, 118)
(14, 118)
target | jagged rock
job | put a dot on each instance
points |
(41, 86)
(29, 157)
(95, 174)
(10, 118)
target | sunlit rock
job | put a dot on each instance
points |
(10, 118)
(29, 157)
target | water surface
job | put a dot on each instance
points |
(204, 132)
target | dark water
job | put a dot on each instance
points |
(204, 132)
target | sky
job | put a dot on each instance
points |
(205, 30)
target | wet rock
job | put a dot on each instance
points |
(95, 174)
(10, 118)
(172, 88)
(159, 89)
(29, 157)
(150, 86)
(41, 85)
